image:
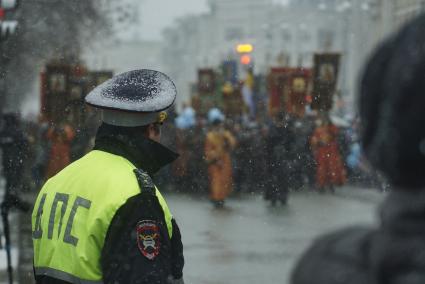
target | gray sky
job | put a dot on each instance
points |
(158, 14)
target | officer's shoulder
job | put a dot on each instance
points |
(145, 182)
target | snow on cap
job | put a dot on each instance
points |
(138, 91)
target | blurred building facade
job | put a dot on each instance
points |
(392, 14)
(121, 55)
(281, 34)
(124, 18)
(404, 10)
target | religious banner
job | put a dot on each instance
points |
(63, 88)
(278, 87)
(56, 81)
(98, 77)
(299, 83)
(233, 105)
(78, 83)
(57, 77)
(248, 92)
(230, 71)
(326, 68)
(206, 81)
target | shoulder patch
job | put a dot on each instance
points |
(148, 238)
(145, 182)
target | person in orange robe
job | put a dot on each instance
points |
(330, 168)
(60, 152)
(218, 145)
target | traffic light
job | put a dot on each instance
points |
(244, 51)
(246, 59)
(244, 48)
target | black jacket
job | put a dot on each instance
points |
(13, 145)
(393, 253)
(121, 260)
(279, 146)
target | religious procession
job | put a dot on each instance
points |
(269, 134)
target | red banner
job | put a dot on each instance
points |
(277, 82)
(326, 67)
(206, 81)
(299, 82)
(288, 90)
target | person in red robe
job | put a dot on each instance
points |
(60, 152)
(324, 144)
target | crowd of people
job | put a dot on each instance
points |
(218, 155)
(273, 157)
(32, 152)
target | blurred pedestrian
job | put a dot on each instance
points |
(183, 140)
(280, 145)
(218, 146)
(197, 167)
(330, 171)
(60, 138)
(392, 100)
(257, 164)
(41, 154)
(241, 157)
(80, 143)
(14, 152)
(304, 164)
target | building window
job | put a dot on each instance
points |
(233, 34)
(325, 39)
(286, 35)
(305, 36)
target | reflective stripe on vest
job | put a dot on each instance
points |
(57, 274)
(73, 212)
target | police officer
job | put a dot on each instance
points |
(101, 219)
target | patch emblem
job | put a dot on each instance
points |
(148, 238)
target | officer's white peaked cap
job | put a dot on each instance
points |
(133, 98)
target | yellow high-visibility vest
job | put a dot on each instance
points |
(73, 212)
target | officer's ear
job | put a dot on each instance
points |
(154, 131)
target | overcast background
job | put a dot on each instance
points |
(158, 14)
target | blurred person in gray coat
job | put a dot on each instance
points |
(392, 103)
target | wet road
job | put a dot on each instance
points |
(247, 242)
(251, 242)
